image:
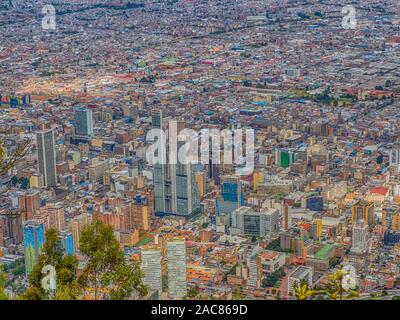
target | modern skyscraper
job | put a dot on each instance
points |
(363, 210)
(175, 185)
(47, 157)
(232, 196)
(33, 243)
(176, 255)
(360, 236)
(232, 190)
(394, 157)
(151, 268)
(83, 122)
(67, 243)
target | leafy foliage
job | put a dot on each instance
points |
(106, 272)
(3, 281)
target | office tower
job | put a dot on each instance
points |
(201, 183)
(287, 206)
(246, 222)
(175, 187)
(185, 195)
(11, 232)
(232, 195)
(214, 168)
(232, 190)
(391, 217)
(254, 269)
(29, 204)
(159, 169)
(299, 274)
(151, 268)
(33, 243)
(394, 157)
(360, 236)
(83, 122)
(285, 158)
(363, 210)
(47, 157)
(78, 223)
(67, 243)
(317, 228)
(176, 255)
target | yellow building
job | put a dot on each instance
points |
(97, 142)
(36, 181)
(258, 177)
(318, 225)
(363, 210)
(199, 178)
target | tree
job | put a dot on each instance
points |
(335, 288)
(193, 292)
(65, 266)
(3, 281)
(6, 163)
(106, 272)
(302, 290)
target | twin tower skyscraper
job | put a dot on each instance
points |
(175, 188)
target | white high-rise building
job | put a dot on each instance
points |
(360, 237)
(151, 268)
(176, 254)
(394, 158)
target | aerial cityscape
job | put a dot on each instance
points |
(199, 150)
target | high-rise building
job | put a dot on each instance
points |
(391, 217)
(47, 157)
(394, 158)
(175, 185)
(317, 228)
(83, 122)
(33, 243)
(232, 190)
(232, 195)
(29, 204)
(363, 210)
(360, 237)
(176, 255)
(11, 232)
(67, 242)
(151, 268)
(284, 158)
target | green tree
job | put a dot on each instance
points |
(65, 266)
(3, 282)
(106, 272)
(193, 292)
